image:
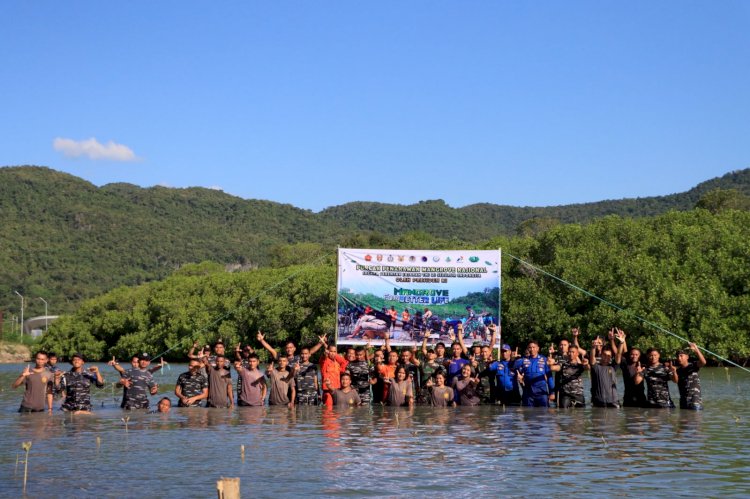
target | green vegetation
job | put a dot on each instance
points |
(688, 272)
(67, 240)
(272, 267)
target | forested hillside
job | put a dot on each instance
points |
(688, 272)
(66, 240)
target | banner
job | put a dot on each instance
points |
(412, 294)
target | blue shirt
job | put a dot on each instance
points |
(506, 376)
(538, 378)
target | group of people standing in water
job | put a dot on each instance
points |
(365, 375)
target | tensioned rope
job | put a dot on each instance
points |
(622, 309)
(241, 306)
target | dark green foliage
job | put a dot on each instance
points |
(272, 267)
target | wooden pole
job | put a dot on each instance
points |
(228, 488)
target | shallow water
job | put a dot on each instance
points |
(381, 451)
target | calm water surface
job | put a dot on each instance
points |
(381, 451)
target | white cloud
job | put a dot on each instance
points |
(94, 150)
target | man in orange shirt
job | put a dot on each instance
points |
(393, 314)
(331, 366)
(388, 370)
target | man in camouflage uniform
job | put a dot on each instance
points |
(569, 371)
(486, 386)
(76, 384)
(657, 376)
(687, 378)
(138, 384)
(362, 375)
(191, 386)
(306, 380)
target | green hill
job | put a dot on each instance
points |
(65, 239)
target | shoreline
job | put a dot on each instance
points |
(14, 353)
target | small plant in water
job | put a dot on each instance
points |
(26, 446)
(125, 420)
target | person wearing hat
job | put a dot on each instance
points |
(76, 384)
(506, 381)
(138, 384)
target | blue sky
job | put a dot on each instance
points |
(321, 103)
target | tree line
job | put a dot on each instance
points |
(688, 272)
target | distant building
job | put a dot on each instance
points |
(37, 324)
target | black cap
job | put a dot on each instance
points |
(144, 356)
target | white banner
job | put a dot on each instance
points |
(412, 294)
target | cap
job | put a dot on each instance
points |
(505, 347)
(144, 356)
(77, 355)
(681, 352)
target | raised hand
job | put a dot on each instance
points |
(575, 332)
(620, 335)
(112, 362)
(260, 336)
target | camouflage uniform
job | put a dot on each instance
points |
(361, 372)
(304, 380)
(191, 386)
(294, 360)
(486, 387)
(570, 390)
(136, 397)
(657, 382)
(690, 387)
(77, 387)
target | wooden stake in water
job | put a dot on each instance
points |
(98, 443)
(26, 446)
(228, 488)
(125, 420)
(242, 452)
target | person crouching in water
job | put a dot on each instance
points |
(346, 396)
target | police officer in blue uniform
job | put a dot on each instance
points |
(536, 378)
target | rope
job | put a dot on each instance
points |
(623, 310)
(243, 305)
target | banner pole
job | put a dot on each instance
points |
(499, 300)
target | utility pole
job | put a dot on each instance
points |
(45, 314)
(19, 294)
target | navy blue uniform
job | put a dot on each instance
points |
(538, 381)
(506, 382)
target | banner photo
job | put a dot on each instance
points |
(412, 294)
